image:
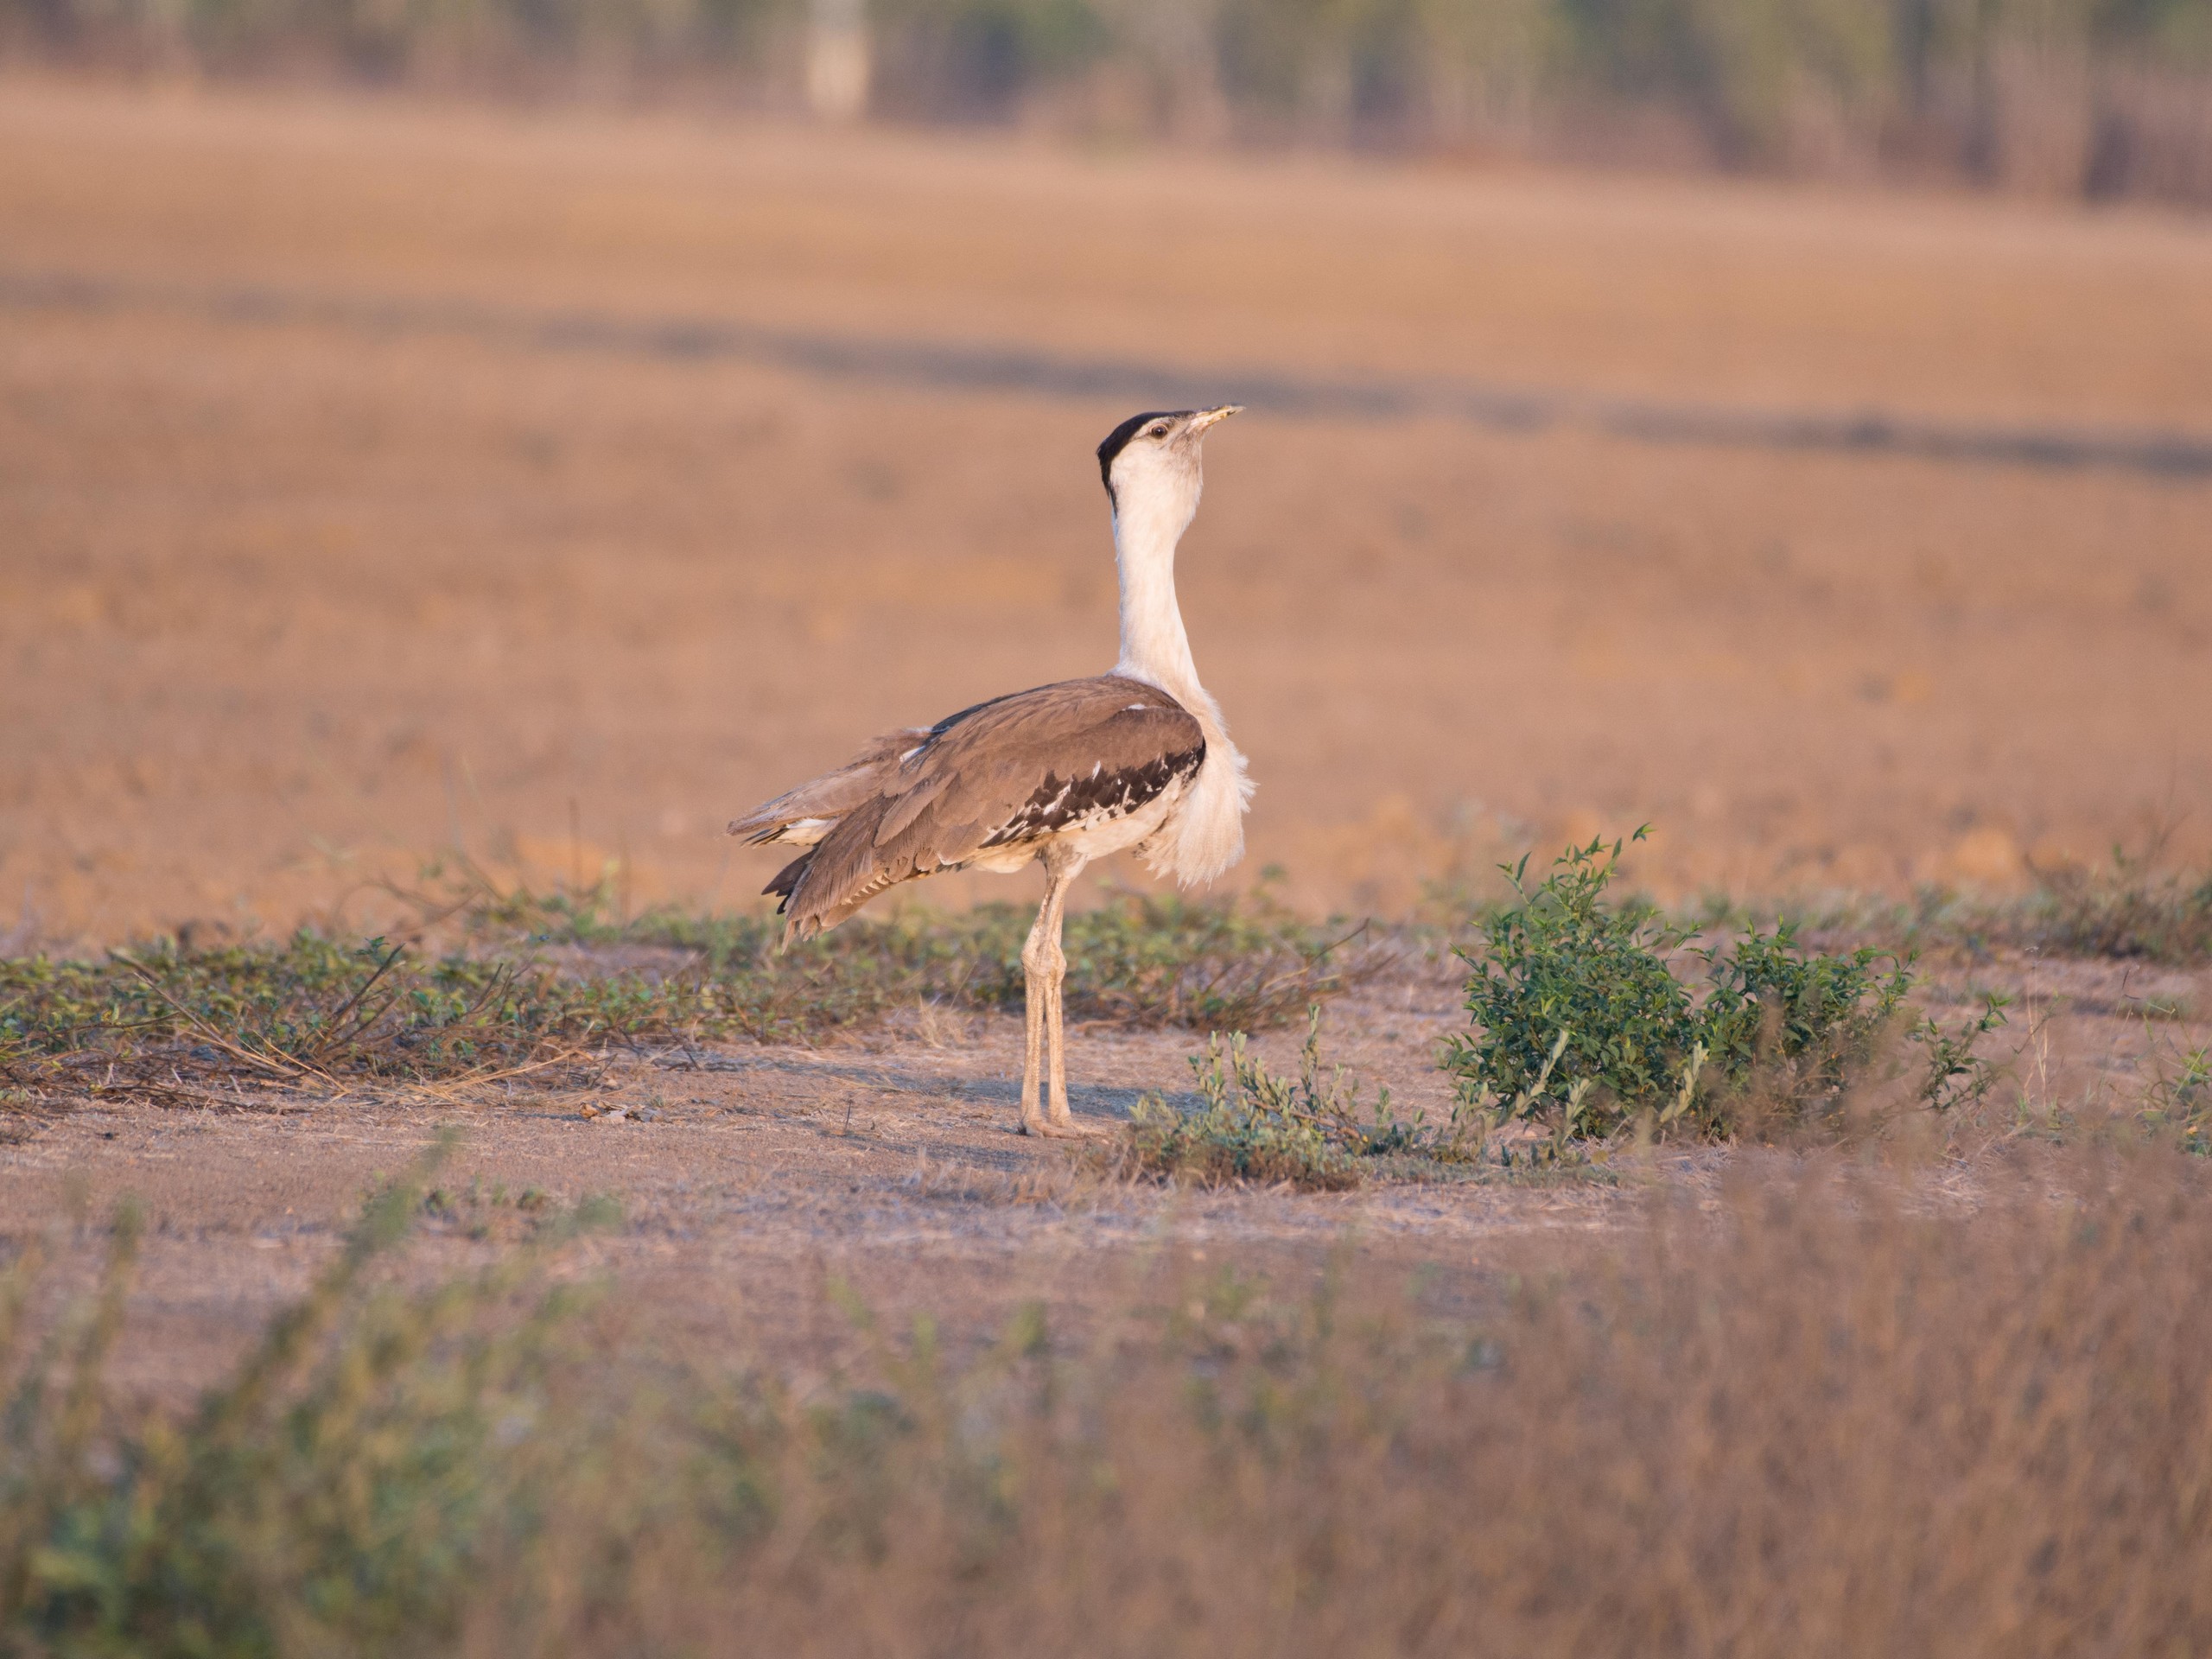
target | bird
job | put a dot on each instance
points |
(1136, 758)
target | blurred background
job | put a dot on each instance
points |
(2097, 97)
(541, 429)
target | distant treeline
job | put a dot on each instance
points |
(2102, 97)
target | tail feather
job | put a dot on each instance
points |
(840, 873)
(785, 880)
(804, 815)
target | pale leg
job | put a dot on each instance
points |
(1046, 966)
(1056, 1105)
(1033, 995)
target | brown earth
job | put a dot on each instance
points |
(290, 602)
(749, 1178)
(286, 602)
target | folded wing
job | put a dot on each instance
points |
(990, 780)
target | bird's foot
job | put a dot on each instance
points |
(1069, 1129)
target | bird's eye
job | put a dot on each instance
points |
(1160, 431)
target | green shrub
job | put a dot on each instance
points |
(1768, 994)
(1579, 1015)
(1563, 964)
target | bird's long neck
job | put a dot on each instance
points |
(1154, 647)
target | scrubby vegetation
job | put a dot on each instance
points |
(1581, 1017)
(524, 979)
(1824, 1419)
(2133, 908)
(1140, 959)
(1590, 1016)
(1582, 1024)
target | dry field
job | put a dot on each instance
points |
(748, 1175)
(380, 479)
(321, 552)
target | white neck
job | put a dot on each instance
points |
(1153, 505)
(1154, 647)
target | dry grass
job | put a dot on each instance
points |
(1842, 1411)
(492, 983)
(295, 601)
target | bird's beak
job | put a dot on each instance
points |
(1206, 417)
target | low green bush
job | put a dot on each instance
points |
(1579, 1015)
(1563, 966)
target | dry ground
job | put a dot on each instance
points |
(749, 1177)
(289, 603)
(286, 601)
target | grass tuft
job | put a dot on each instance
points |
(1310, 1131)
(2133, 908)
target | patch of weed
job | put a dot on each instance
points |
(2132, 907)
(2136, 907)
(1310, 1131)
(1957, 1073)
(2177, 1099)
(313, 1009)
(1250, 1125)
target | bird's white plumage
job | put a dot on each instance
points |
(1058, 774)
(1155, 490)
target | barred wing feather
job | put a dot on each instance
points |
(1003, 774)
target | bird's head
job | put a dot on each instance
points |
(1151, 461)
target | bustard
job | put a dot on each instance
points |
(1064, 774)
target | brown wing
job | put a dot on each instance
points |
(1002, 773)
(803, 815)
